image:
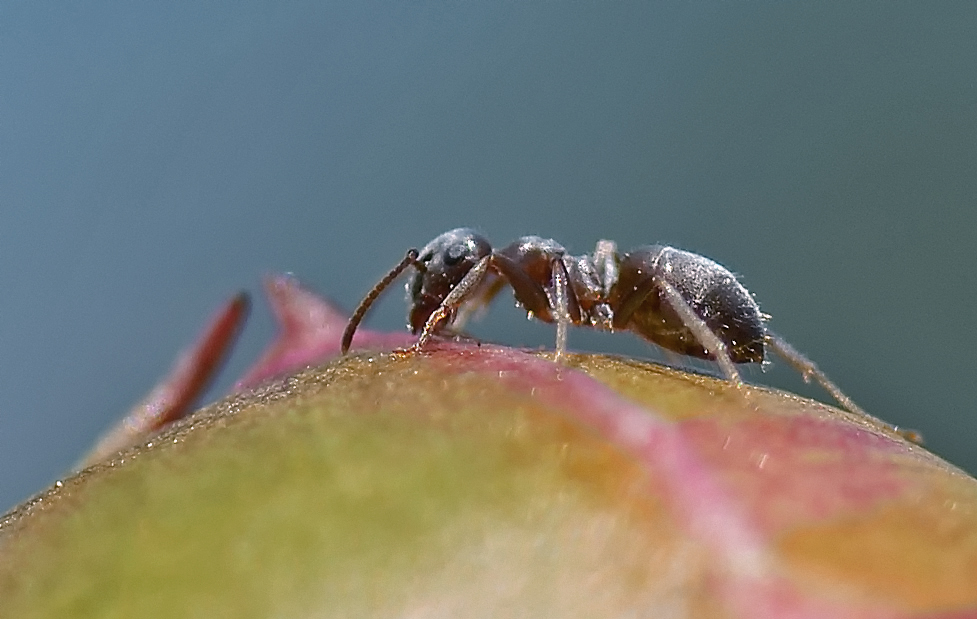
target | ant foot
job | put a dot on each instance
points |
(913, 436)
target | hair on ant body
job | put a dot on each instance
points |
(679, 300)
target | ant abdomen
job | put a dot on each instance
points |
(641, 304)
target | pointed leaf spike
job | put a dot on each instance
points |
(174, 396)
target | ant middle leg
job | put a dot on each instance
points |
(550, 301)
(605, 259)
(561, 297)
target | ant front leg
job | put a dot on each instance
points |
(478, 303)
(458, 295)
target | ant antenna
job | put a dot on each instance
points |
(354, 321)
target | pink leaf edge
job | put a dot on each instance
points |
(310, 331)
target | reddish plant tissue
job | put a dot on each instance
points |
(805, 511)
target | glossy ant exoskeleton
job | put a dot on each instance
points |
(679, 300)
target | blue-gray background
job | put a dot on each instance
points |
(154, 158)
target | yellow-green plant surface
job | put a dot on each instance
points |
(483, 482)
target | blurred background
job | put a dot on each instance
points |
(155, 158)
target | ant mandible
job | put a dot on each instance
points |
(678, 300)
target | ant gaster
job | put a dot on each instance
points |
(676, 299)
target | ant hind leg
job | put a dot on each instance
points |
(709, 340)
(809, 370)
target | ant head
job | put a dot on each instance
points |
(440, 267)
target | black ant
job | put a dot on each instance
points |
(679, 300)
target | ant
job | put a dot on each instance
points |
(677, 299)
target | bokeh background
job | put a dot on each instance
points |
(157, 157)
